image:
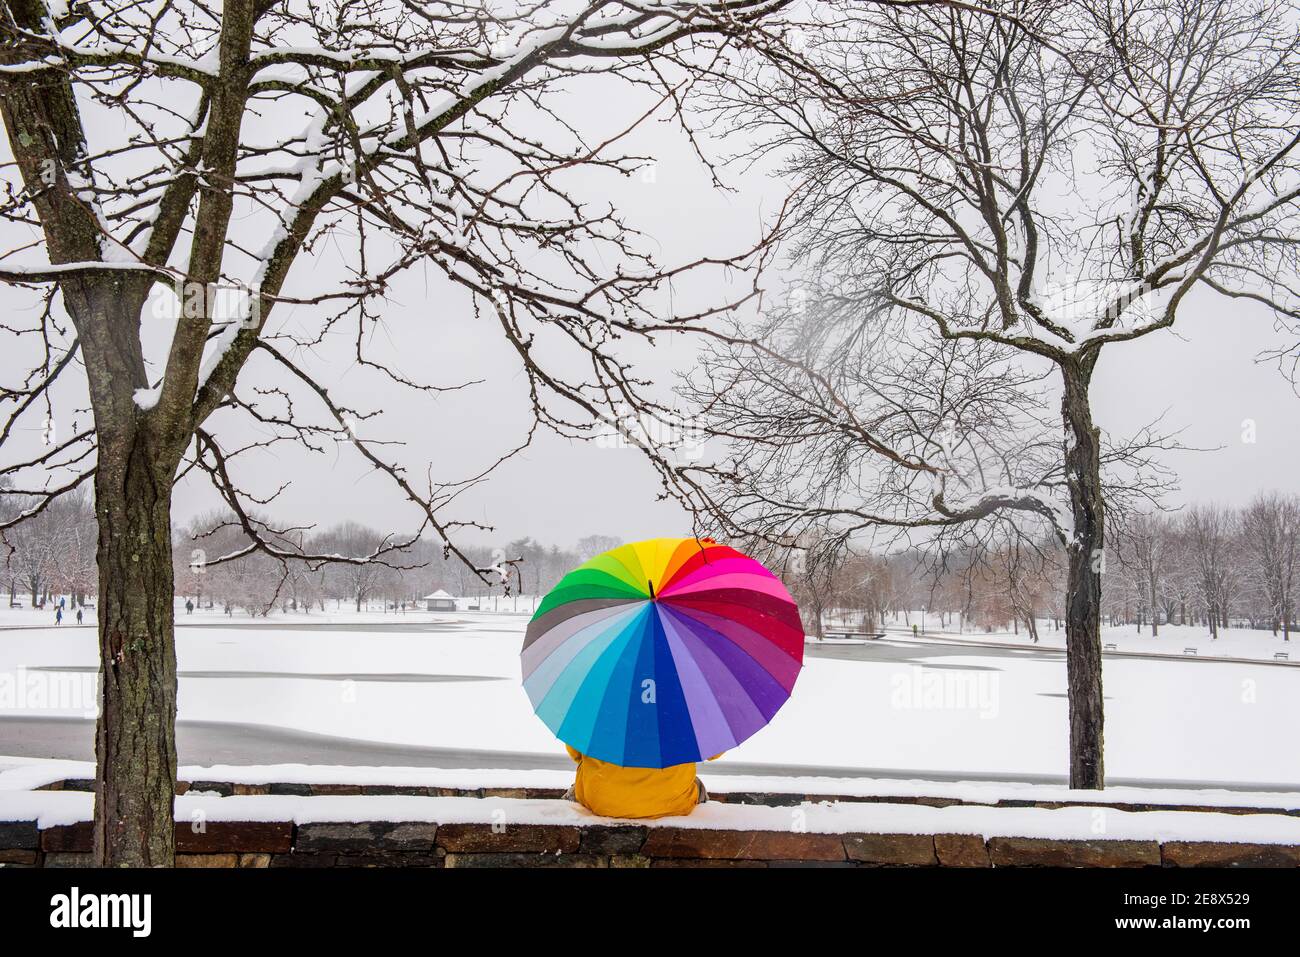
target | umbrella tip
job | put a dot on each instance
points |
(652, 588)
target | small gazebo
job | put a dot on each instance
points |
(439, 601)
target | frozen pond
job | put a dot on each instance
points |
(444, 692)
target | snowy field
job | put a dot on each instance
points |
(1177, 641)
(1174, 640)
(901, 706)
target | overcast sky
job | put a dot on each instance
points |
(1203, 376)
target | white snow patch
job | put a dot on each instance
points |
(146, 399)
(19, 773)
(53, 808)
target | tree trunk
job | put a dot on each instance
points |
(1083, 590)
(135, 736)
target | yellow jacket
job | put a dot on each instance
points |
(612, 790)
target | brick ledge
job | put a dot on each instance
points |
(424, 844)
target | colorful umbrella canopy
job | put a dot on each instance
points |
(662, 652)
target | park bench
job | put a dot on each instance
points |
(1189, 651)
(868, 635)
(1281, 656)
(1110, 647)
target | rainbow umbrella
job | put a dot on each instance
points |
(662, 652)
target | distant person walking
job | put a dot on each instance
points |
(189, 606)
(58, 614)
(78, 616)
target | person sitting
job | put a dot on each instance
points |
(612, 790)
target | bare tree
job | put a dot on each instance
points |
(1141, 546)
(53, 551)
(1210, 531)
(959, 178)
(870, 578)
(357, 581)
(31, 556)
(1270, 529)
(591, 545)
(1027, 582)
(814, 568)
(206, 149)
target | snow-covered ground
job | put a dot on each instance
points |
(1174, 640)
(910, 707)
(26, 774)
(54, 808)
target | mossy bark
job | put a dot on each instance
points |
(135, 736)
(1086, 558)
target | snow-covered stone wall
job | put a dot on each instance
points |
(225, 824)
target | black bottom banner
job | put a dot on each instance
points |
(338, 906)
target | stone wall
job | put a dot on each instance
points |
(422, 844)
(419, 844)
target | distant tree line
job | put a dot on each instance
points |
(52, 554)
(217, 568)
(1208, 565)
